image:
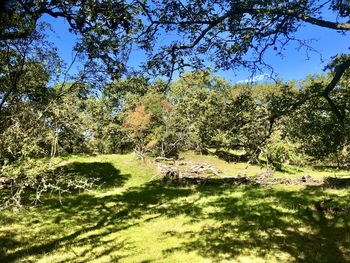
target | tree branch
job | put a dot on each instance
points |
(339, 71)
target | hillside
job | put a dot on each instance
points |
(132, 219)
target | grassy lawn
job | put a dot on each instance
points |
(133, 219)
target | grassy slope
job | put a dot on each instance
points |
(248, 169)
(132, 220)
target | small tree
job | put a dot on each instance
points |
(138, 127)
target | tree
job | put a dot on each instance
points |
(227, 30)
(314, 125)
(217, 115)
(106, 27)
(103, 125)
(26, 67)
(194, 95)
(224, 32)
(67, 119)
(220, 31)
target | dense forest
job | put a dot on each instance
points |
(171, 106)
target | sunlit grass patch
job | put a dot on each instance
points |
(134, 220)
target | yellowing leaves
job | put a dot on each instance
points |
(139, 120)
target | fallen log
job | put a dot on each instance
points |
(168, 172)
(160, 159)
(194, 180)
(202, 168)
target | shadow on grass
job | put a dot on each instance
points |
(335, 182)
(263, 221)
(103, 175)
(246, 219)
(90, 214)
(103, 172)
(230, 157)
(330, 168)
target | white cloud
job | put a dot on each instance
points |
(254, 79)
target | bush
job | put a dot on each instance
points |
(280, 151)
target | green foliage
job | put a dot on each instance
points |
(197, 111)
(105, 28)
(196, 98)
(229, 34)
(26, 67)
(219, 115)
(280, 151)
(150, 125)
(315, 126)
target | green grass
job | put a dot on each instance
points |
(130, 219)
(290, 171)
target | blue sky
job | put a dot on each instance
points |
(294, 64)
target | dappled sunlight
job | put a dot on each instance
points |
(153, 221)
(225, 225)
(174, 131)
(255, 224)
